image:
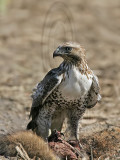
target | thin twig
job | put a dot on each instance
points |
(91, 151)
(21, 152)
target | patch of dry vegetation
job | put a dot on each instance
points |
(27, 43)
(100, 140)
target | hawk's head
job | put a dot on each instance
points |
(71, 52)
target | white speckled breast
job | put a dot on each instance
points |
(75, 85)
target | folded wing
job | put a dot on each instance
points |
(94, 93)
(42, 91)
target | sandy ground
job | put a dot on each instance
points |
(29, 33)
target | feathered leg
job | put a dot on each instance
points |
(43, 122)
(57, 120)
(74, 117)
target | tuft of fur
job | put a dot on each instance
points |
(34, 146)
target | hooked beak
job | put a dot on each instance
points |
(57, 53)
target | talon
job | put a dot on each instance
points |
(80, 145)
(62, 134)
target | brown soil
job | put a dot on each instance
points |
(29, 33)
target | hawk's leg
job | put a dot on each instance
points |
(74, 118)
(44, 122)
(57, 121)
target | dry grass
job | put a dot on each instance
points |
(31, 30)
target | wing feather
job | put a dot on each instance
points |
(45, 88)
(94, 93)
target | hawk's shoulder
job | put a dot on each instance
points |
(46, 86)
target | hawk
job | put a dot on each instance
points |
(66, 91)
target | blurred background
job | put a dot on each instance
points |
(29, 33)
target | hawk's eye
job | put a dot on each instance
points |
(68, 49)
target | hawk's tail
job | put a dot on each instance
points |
(31, 125)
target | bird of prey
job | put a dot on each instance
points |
(66, 91)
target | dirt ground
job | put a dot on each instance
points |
(29, 33)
